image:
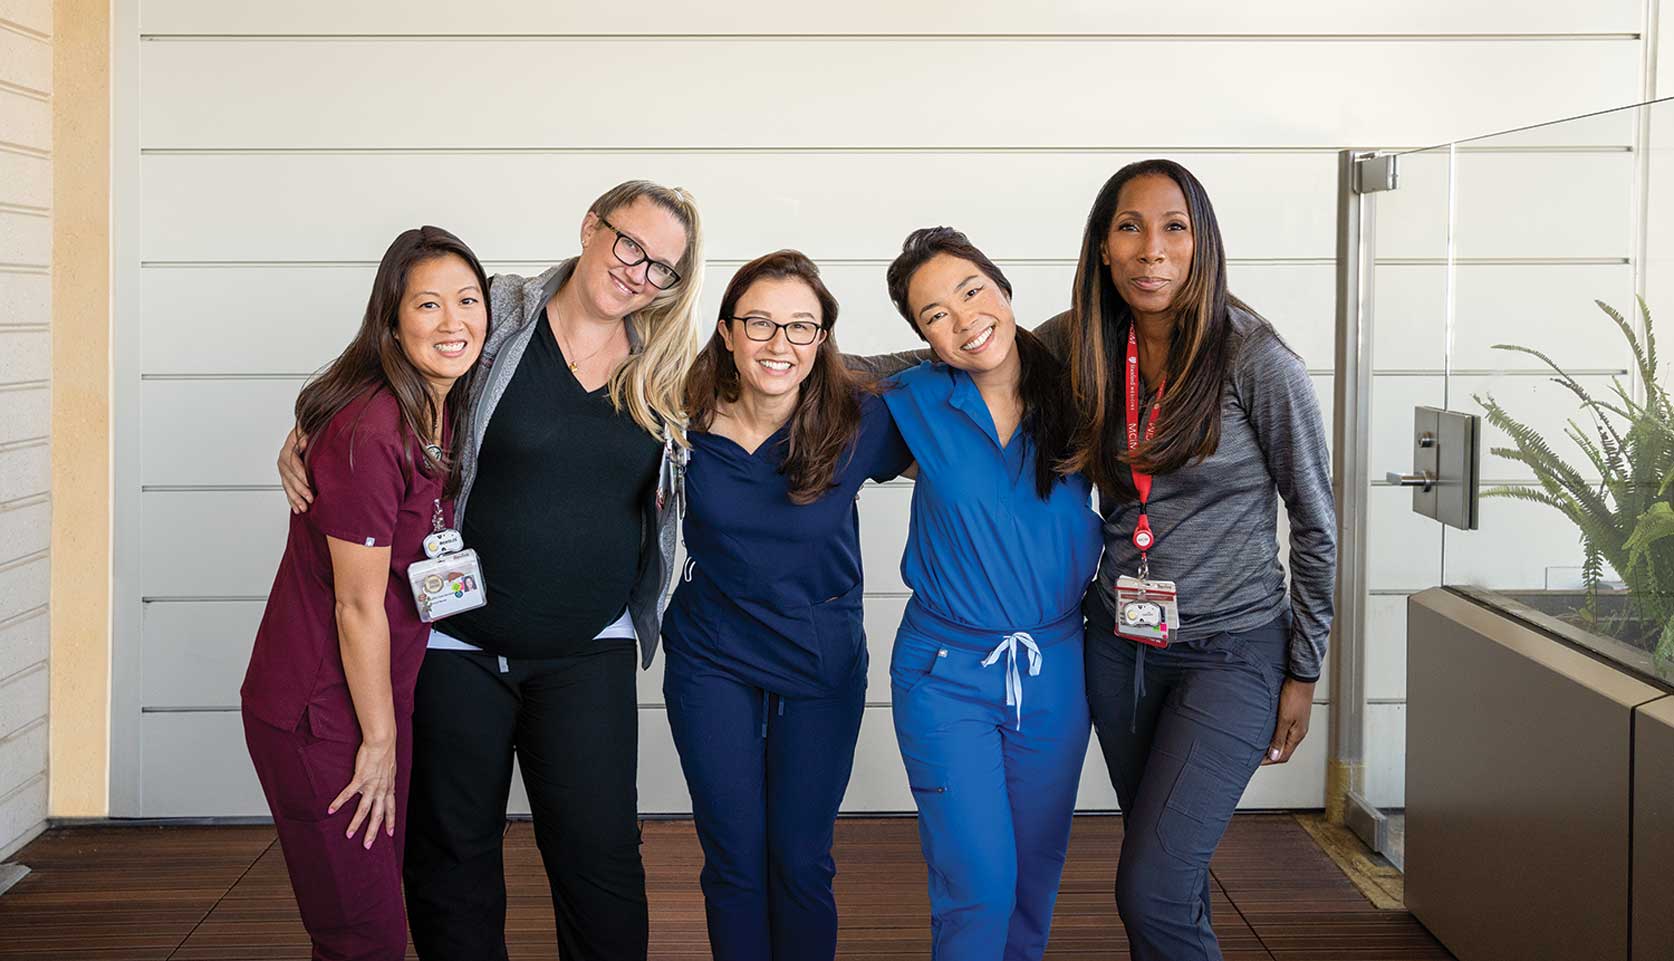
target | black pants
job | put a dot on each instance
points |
(574, 725)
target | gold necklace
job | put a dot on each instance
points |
(576, 364)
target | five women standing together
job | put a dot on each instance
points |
(582, 442)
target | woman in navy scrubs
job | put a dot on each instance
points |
(766, 672)
(986, 680)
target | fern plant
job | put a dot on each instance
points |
(1626, 517)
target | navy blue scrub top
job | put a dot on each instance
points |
(984, 551)
(771, 590)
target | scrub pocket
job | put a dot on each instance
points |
(913, 661)
(1201, 803)
(840, 635)
(300, 772)
(925, 779)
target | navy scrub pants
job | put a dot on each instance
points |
(995, 783)
(767, 775)
(1180, 756)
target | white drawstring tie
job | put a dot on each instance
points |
(1014, 678)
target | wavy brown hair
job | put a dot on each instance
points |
(1046, 404)
(1199, 355)
(827, 416)
(375, 361)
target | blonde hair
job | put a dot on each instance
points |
(651, 385)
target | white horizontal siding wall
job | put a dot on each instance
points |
(278, 147)
(25, 364)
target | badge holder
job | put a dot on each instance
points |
(1147, 611)
(450, 581)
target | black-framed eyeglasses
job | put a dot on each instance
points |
(798, 332)
(631, 254)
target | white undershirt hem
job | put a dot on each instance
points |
(620, 629)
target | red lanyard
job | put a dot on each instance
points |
(1143, 539)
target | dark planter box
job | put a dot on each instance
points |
(1540, 784)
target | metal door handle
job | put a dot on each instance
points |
(1424, 479)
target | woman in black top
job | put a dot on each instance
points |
(568, 477)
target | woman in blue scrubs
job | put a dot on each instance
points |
(987, 678)
(766, 666)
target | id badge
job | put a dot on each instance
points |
(447, 584)
(1146, 611)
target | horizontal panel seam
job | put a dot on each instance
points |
(1502, 261)
(22, 616)
(8, 268)
(7, 567)
(19, 503)
(720, 262)
(30, 92)
(638, 149)
(25, 210)
(24, 328)
(24, 150)
(37, 667)
(24, 30)
(24, 731)
(24, 385)
(896, 37)
(1321, 150)
(520, 262)
(17, 792)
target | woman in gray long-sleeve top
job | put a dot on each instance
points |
(1184, 726)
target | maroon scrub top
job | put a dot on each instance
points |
(370, 488)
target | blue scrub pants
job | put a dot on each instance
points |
(767, 775)
(995, 792)
(1180, 756)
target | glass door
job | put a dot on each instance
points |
(1517, 281)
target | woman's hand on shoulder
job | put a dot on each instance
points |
(293, 473)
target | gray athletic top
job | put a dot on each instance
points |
(1216, 520)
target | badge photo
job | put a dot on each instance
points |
(451, 580)
(447, 585)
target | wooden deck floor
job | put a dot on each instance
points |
(220, 894)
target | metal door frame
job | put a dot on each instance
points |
(1361, 175)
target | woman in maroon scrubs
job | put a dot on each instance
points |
(328, 697)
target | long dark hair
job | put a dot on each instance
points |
(827, 416)
(1046, 403)
(374, 360)
(1199, 355)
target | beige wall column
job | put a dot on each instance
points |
(81, 372)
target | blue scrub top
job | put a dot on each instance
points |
(771, 590)
(984, 551)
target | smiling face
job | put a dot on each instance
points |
(1149, 246)
(612, 288)
(777, 367)
(442, 319)
(962, 313)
